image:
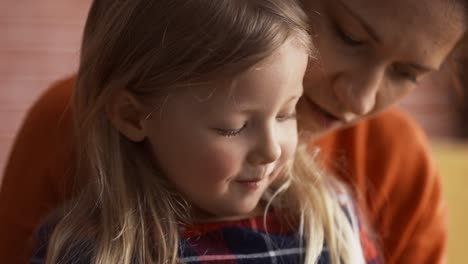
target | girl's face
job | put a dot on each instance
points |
(222, 145)
(371, 54)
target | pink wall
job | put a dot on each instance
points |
(39, 43)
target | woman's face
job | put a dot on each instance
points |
(371, 53)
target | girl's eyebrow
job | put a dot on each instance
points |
(361, 21)
(247, 108)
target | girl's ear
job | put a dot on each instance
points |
(127, 115)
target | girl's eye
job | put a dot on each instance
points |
(346, 38)
(286, 117)
(230, 132)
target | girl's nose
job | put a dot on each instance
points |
(267, 149)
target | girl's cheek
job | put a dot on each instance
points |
(290, 145)
(288, 151)
(220, 163)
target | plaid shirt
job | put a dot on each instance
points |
(248, 241)
(237, 242)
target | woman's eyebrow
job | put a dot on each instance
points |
(363, 23)
(422, 68)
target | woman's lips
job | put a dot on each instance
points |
(323, 118)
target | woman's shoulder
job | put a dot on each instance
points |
(386, 151)
(394, 124)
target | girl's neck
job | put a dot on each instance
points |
(200, 216)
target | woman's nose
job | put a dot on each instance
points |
(358, 93)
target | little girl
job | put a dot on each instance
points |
(186, 140)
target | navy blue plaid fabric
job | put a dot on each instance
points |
(246, 241)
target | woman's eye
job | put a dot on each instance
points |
(286, 117)
(406, 75)
(346, 38)
(230, 132)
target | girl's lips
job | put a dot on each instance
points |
(256, 175)
(251, 184)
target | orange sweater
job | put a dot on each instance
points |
(386, 158)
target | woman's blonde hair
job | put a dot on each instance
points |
(128, 212)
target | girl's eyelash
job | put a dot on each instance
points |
(235, 132)
(230, 132)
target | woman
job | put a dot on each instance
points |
(372, 53)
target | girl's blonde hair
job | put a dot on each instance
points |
(128, 212)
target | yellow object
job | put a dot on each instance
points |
(452, 159)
